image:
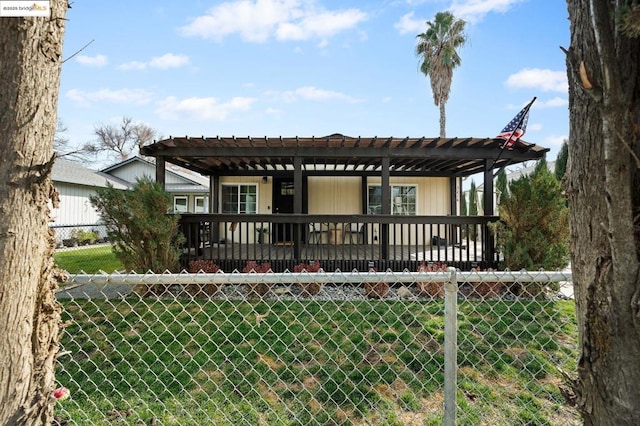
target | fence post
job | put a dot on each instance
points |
(450, 347)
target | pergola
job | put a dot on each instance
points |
(339, 155)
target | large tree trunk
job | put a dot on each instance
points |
(30, 61)
(604, 194)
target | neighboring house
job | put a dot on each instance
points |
(189, 190)
(512, 174)
(75, 184)
(347, 202)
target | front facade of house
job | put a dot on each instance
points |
(346, 202)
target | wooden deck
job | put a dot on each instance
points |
(342, 256)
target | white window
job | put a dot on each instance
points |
(239, 199)
(201, 205)
(403, 199)
(180, 204)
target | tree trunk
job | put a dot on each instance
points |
(443, 121)
(30, 61)
(602, 183)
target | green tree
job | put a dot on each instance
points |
(473, 208)
(437, 49)
(533, 231)
(502, 186)
(561, 161)
(144, 236)
(464, 211)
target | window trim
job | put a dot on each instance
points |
(182, 197)
(395, 185)
(205, 207)
(238, 185)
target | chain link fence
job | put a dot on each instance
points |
(376, 348)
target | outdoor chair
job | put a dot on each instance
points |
(315, 233)
(351, 230)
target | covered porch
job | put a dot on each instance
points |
(349, 203)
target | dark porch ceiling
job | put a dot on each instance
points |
(339, 155)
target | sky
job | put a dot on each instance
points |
(310, 68)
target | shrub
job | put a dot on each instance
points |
(431, 288)
(533, 231)
(144, 236)
(258, 289)
(376, 290)
(203, 291)
(86, 237)
(308, 289)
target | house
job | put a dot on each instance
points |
(348, 202)
(75, 185)
(189, 190)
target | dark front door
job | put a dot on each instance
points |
(283, 194)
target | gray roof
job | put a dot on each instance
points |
(72, 172)
(187, 174)
(177, 188)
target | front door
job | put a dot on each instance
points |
(283, 194)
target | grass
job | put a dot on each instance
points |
(90, 260)
(312, 363)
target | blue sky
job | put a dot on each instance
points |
(310, 68)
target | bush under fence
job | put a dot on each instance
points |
(160, 349)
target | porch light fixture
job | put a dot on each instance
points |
(265, 179)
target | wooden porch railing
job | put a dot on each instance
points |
(344, 242)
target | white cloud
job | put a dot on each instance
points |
(133, 65)
(408, 25)
(273, 112)
(534, 127)
(543, 79)
(260, 20)
(123, 96)
(552, 103)
(172, 108)
(475, 10)
(169, 60)
(555, 140)
(310, 93)
(92, 61)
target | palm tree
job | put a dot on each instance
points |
(437, 49)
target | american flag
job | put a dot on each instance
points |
(513, 131)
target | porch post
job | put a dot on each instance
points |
(386, 209)
(453, 208)
(298, 232)
(160, 172)
(489, 246)
(214, 205)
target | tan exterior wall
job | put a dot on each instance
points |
(341, 195)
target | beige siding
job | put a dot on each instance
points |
(334, 195)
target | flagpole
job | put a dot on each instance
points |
(514, 131)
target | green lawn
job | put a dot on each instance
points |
(312, 363)
(90, 260)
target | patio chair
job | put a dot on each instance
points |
(351, 230)
(315, 233)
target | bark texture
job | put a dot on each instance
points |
(604, 197)
(30, 61)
